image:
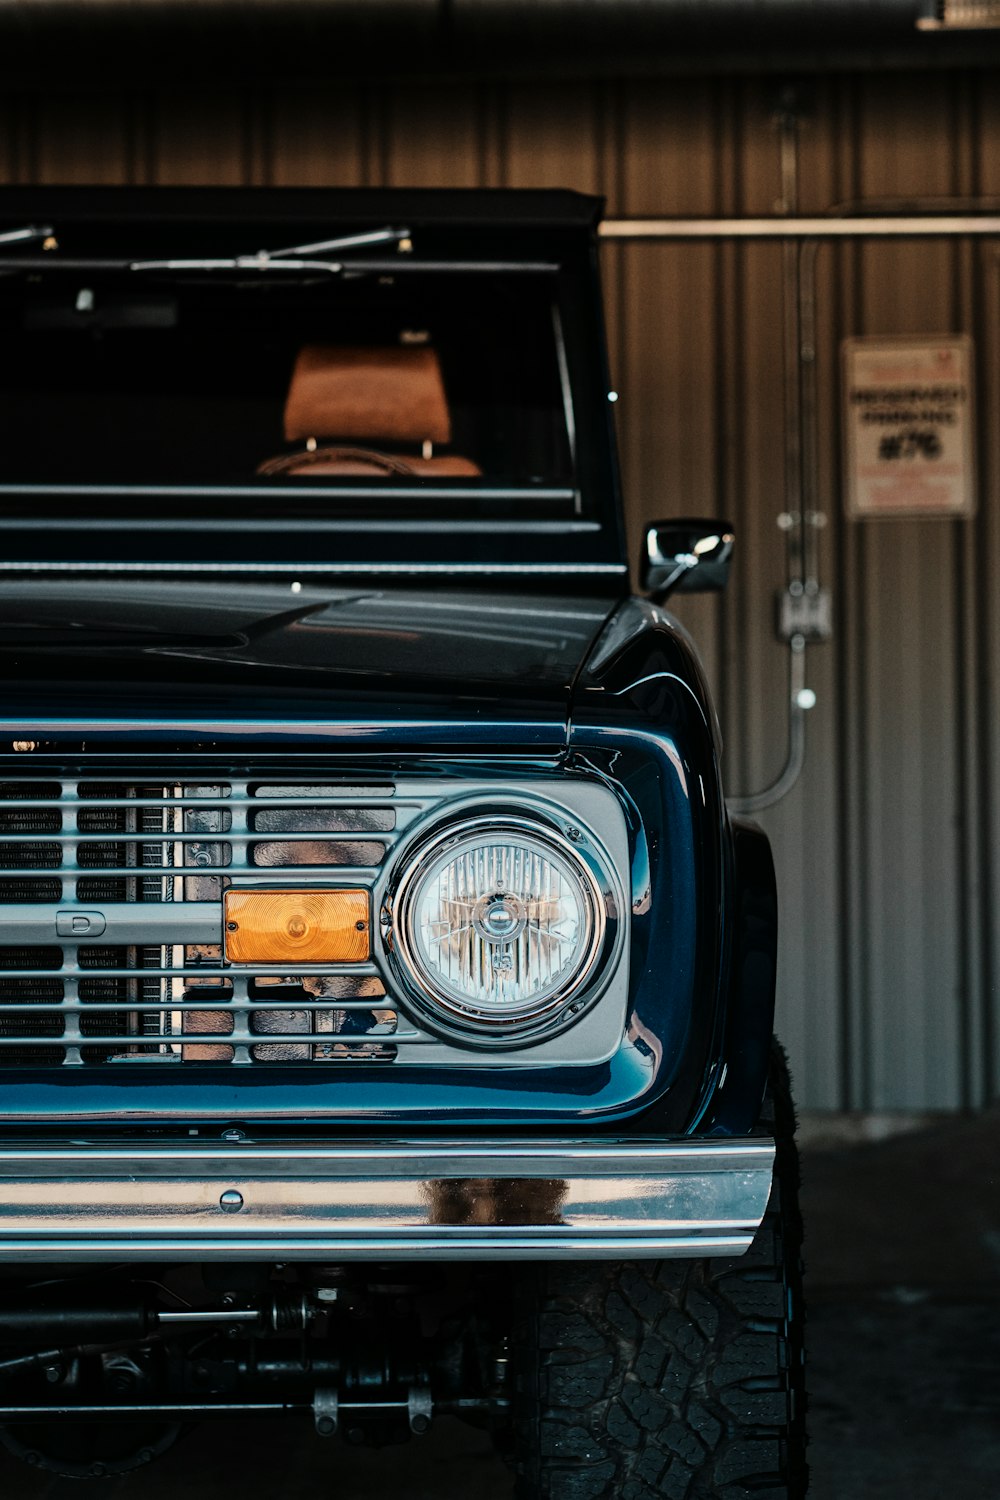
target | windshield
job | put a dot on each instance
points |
(356, 379)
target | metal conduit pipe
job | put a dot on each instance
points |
(795, 757)
(792, 520)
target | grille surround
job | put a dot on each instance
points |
(193, 1006)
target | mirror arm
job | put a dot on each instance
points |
(685, 562)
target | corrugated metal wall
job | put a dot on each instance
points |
(888, 849)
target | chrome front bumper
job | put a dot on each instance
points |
(361, 1200)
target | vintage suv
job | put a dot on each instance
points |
(385, 993)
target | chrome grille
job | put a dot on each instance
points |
(150, 861)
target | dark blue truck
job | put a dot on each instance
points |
(386, 994)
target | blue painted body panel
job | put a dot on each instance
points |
(558, 690)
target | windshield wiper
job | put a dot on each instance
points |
(26, 235)
(385, 236)
(289, 258)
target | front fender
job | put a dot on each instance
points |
(735, 1102)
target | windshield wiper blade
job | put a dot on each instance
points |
(26, 235)
(385, 236)
(289, 258)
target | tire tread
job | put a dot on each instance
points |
(670, 1380)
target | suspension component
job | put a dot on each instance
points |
(326, 1411)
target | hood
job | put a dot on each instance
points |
(101, 648)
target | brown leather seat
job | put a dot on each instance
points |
(390, 395)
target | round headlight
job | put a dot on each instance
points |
(499, 922)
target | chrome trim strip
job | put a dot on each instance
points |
(444, 1200)
(529, 494)
(323, 526)
(328, 731)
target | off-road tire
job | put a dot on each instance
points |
(669, 1380)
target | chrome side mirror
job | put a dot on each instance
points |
(686, 556)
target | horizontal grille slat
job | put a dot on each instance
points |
(201, 803)
(144, 837)
(134, 875)
(203, 971)
(250, 872)
(201, 1000)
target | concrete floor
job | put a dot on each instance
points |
(903, 1257)
(903, 1251)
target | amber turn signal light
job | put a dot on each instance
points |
(276, 927)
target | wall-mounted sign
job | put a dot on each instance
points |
(908, 426)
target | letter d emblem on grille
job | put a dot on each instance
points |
(79, 924)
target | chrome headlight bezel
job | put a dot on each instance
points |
(534, 1019)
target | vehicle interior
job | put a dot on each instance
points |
(234, 381)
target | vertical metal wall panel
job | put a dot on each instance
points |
(433, 142)
(807, 827)
(988, 727)
(888, 851)
(967, 298)
(668, 380)
(986, 169)
(10, 154)
(199, 140)
(553, 135)
(79, 139)
(316, 137)
(912, 713)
